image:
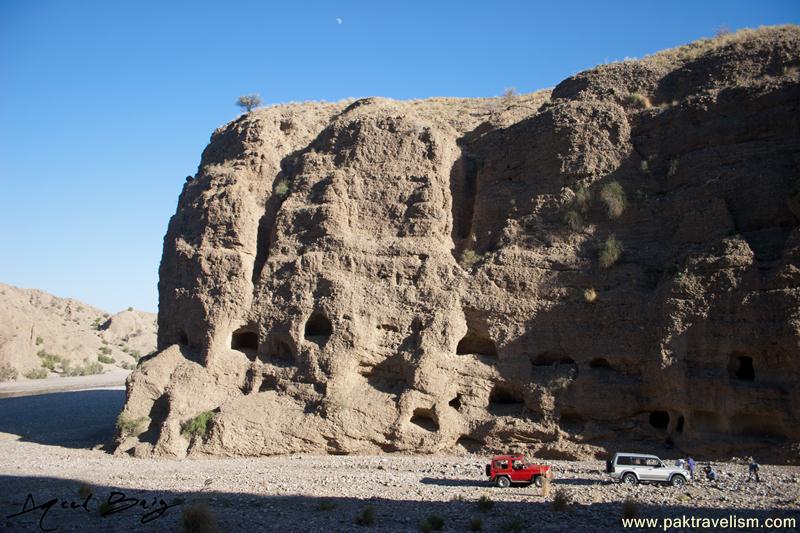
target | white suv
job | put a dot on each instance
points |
(631, 468)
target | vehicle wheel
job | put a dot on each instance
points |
(538, 481)
(629, 479)
(503, 482)
(678, 480)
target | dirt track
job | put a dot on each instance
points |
(46, 450)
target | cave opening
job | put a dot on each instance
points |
(455, 403)
(425, 419)
(659, 419)
(742, 368)
(318, 328)
(244, 339)
(599, 363)
(475, 344)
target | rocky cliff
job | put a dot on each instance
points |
(613, 263)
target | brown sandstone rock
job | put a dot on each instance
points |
(400, 276)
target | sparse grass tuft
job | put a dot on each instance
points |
(8, 373)
(106, 359)
(469, 258)
(366, 517)
(610, 252)
(590, 295)
(630, 508)
(476, 524)
(561, 500)
(326, 505)
(583, 198)
(199, 425)
(198, 518)
(88, 368)
(574, 220)
(514, 524)
(49, 360)
(637, 101)
(673, 167)
(36, 373)
(613, 196)
(131, 427)
(39, 341)
(105, 350)
(485, 504)
(84, 490)
(434, 522)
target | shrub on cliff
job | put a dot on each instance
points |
(248, 101)
(128, 426)
(610, 251)
(36, 373)
(198, 426)
(613, 196)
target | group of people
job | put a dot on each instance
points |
(711, 474)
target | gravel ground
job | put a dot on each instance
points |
(49, 448)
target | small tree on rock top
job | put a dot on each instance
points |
(248, 101)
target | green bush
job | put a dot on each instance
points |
(485, 504)
(613, 196)
(8, 373)
(39, 341)
(106, 359)
(130, 309)
(610, 252)
(49, 360)
(199, 425)
(88, 368)
(326, 505)
(105, 350)
(366, 517)
(476, 524)
(514, 524)
(136, 354)
(131, 427)
(36, 373)
(282, 188)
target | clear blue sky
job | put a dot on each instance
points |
(105, 106)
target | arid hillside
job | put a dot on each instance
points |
(43, 336)
(611, 263)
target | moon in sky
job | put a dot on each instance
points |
(338, 20)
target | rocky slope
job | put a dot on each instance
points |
(610, 263)
(39, 330)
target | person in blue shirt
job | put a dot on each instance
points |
(691, 464)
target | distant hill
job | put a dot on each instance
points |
(42, 335)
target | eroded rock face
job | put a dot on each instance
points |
(441, 274)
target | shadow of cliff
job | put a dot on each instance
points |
(82, 419)
(162, 510)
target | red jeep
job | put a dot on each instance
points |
(507, 469)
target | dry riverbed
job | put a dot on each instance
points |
(50, 449)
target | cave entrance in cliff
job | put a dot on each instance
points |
(425, 419)
(318, 328)
(741, 367)
(245, 339)
(475, 344)
(506, 400)
(659, 419)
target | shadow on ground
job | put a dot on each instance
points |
(81, 419)
(139, 510)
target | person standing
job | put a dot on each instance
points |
(691, 464)
(753, 469)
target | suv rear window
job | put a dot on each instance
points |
(624, 460)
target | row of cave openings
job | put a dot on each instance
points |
(318, 329)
